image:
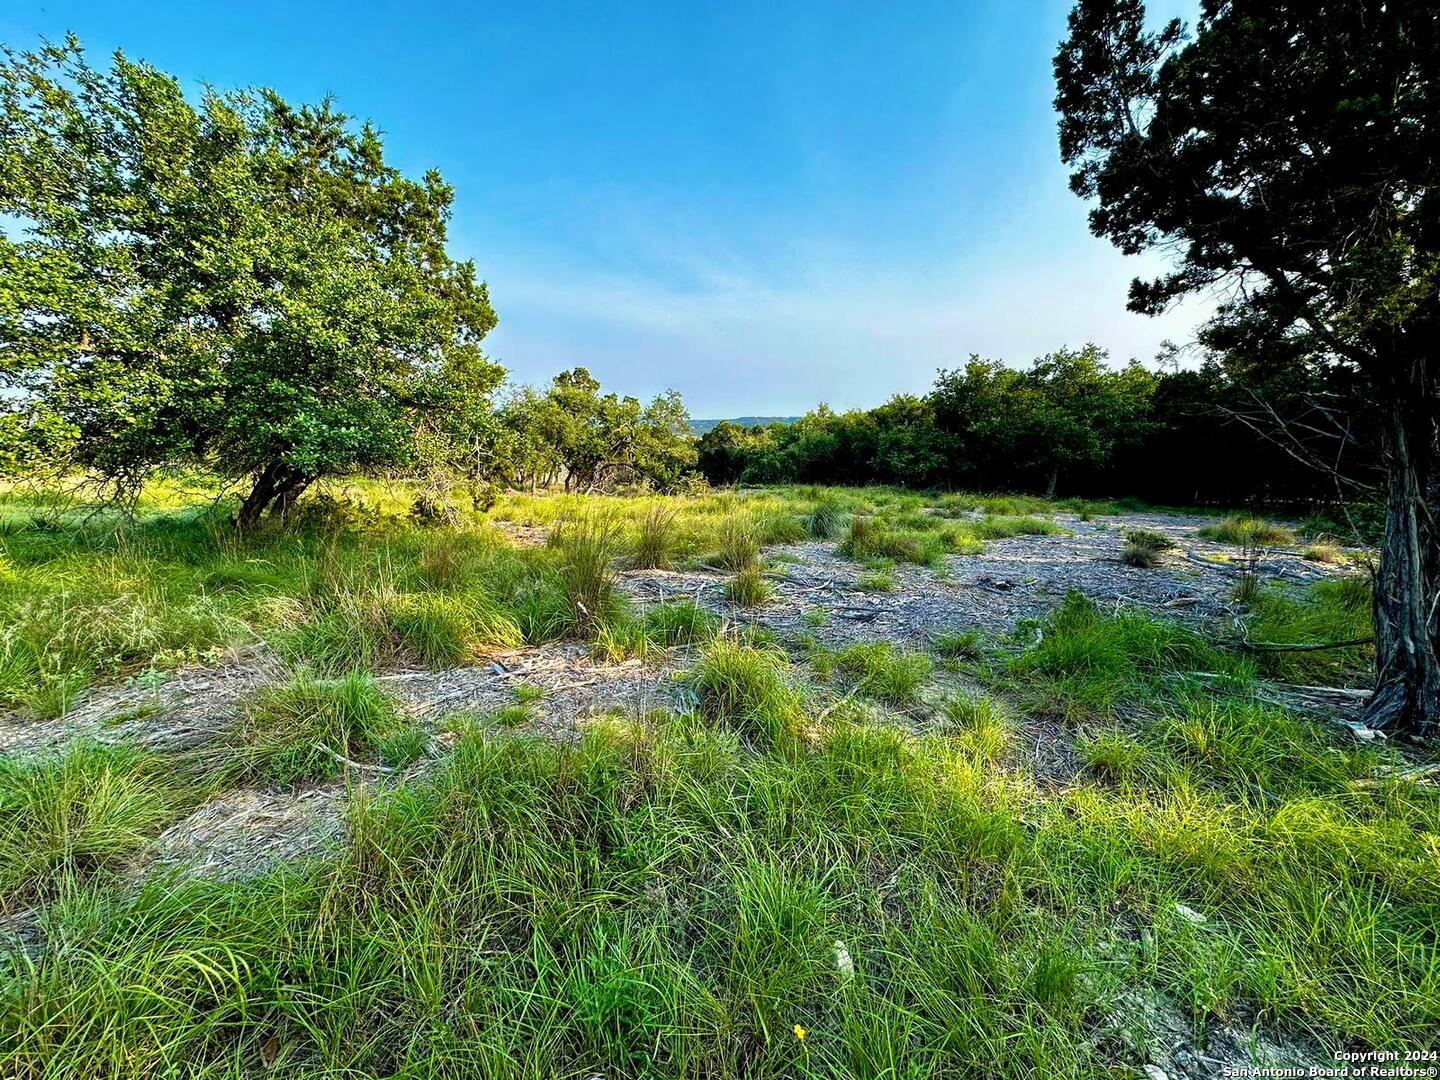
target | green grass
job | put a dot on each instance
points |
(662, 900)
(826, 521)
(657, 543)
(747, 689)
(1144, 548)
(298, 730)
(681, 622)
(75, 816)
(675, 894)
(1086, 662)
(748, 588)
(738, 538)
(1328, 611)
(885, 672)
(1248, 532)
(586, 549)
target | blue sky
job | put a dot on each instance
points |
(762, 205)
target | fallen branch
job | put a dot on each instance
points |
(1274, 646)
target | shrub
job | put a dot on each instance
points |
(748, 588)
(294, 731)
(884, 672)
(1248, 532)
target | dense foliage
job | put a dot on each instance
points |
(1074, 423)
(237, 283)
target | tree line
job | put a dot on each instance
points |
(1229, 432)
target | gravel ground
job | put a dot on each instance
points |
(817, 589)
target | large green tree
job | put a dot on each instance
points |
(1292, 153)
(232, 282)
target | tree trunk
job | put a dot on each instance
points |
(1407, 582)
(1053, 484)
(278, 486)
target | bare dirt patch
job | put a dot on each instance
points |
(247, 831)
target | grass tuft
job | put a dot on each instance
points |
(748, 588)
(738, 539)
(67, 818)
(1248, 532)
(747, 688)
(298, 730)
(885, 672)
(658, 541)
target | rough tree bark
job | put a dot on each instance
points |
(1407, 580)
(276, 488)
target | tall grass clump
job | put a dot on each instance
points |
(1248, 532)
(1325, 612)
(300, 729)
(586, 550)
(826, 521)
(1085, 661)
(657, 542)
(738, 543)
(870, 538)
(748, 588)
(1145, 547)
(747, 688)
(680, 622)
(67, 817)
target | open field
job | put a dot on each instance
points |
(784, 781)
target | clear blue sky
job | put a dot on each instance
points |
(762, 205)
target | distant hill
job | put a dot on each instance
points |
(700, 427)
